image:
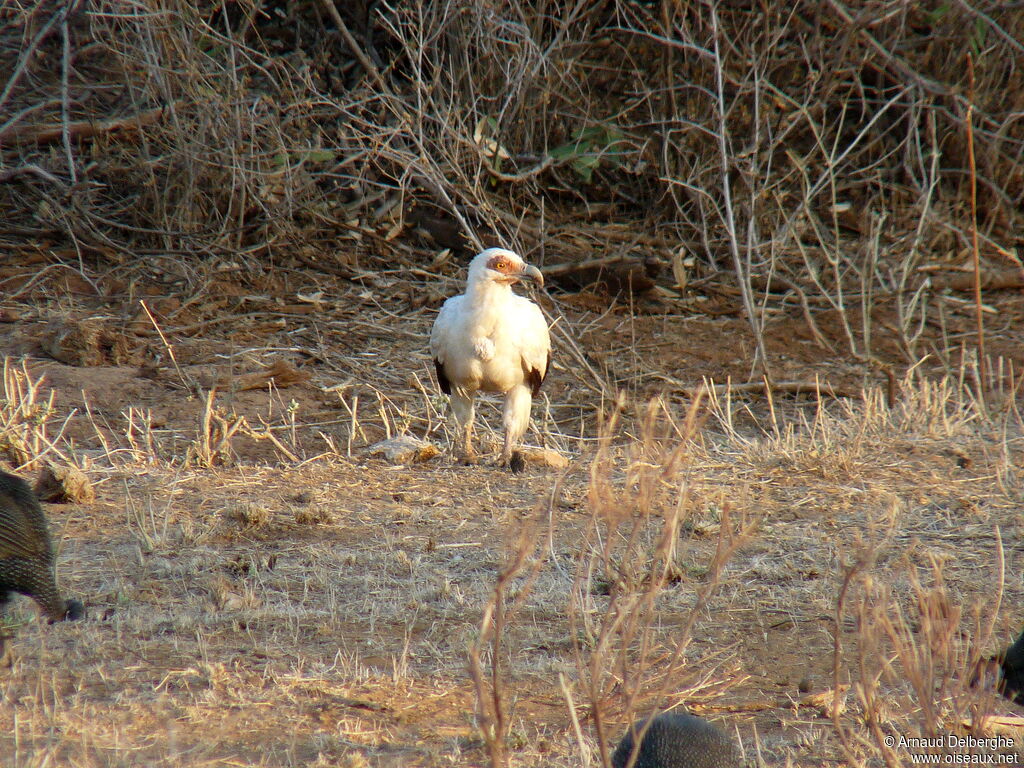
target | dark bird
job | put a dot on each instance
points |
(678, 740)
(1006, 669)
(26, 552)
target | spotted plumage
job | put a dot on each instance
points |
(1012, 668)
(1004, 672)
(26, 552)
(678, 740)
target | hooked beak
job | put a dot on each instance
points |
(530, 272)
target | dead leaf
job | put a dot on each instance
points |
(281, 373)
(823, 702)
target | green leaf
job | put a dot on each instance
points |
(585, 165)
(320, 156)
(281, 159)
(588, 147)
(935, 16)
(979, 36)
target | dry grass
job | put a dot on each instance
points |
(320, 612)
(244, 193)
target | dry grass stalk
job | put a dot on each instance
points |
(25, 412)
(190, 385)
(910, 665)
(639, 503)
(138, 433)
(972, 168)
(362, 623)
(511, 588)
(212, 446)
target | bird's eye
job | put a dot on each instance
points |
(501, 266)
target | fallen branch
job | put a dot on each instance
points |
(529, 173)
(267, 434)
(623, 273)
(995, 280)
(280, 373)
(786, 387)
(611, 233)
(31, 169)
(81, 129)
(570, 268)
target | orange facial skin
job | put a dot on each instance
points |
(505, 266)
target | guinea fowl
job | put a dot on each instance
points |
(677, 740)
(1006, 669)
(491, 340)
(26, 552)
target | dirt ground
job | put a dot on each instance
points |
(263, 591)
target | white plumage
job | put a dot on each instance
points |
(491, 340)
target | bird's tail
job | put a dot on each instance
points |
(517, 414)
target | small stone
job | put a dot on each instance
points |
(543, 457)
(404, 449)
(64, 484)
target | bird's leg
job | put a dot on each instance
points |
(462, 409)
(516, 418)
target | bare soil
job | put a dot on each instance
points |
(247, 608)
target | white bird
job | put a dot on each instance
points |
(489, 339)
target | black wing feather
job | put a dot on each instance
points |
(535, 378)
(442, 378)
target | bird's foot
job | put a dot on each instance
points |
(74, 610)
(71, 610)
(514, 460)
(466, 458)
(464, 451)
(517, 463)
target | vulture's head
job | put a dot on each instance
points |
(502, 266)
